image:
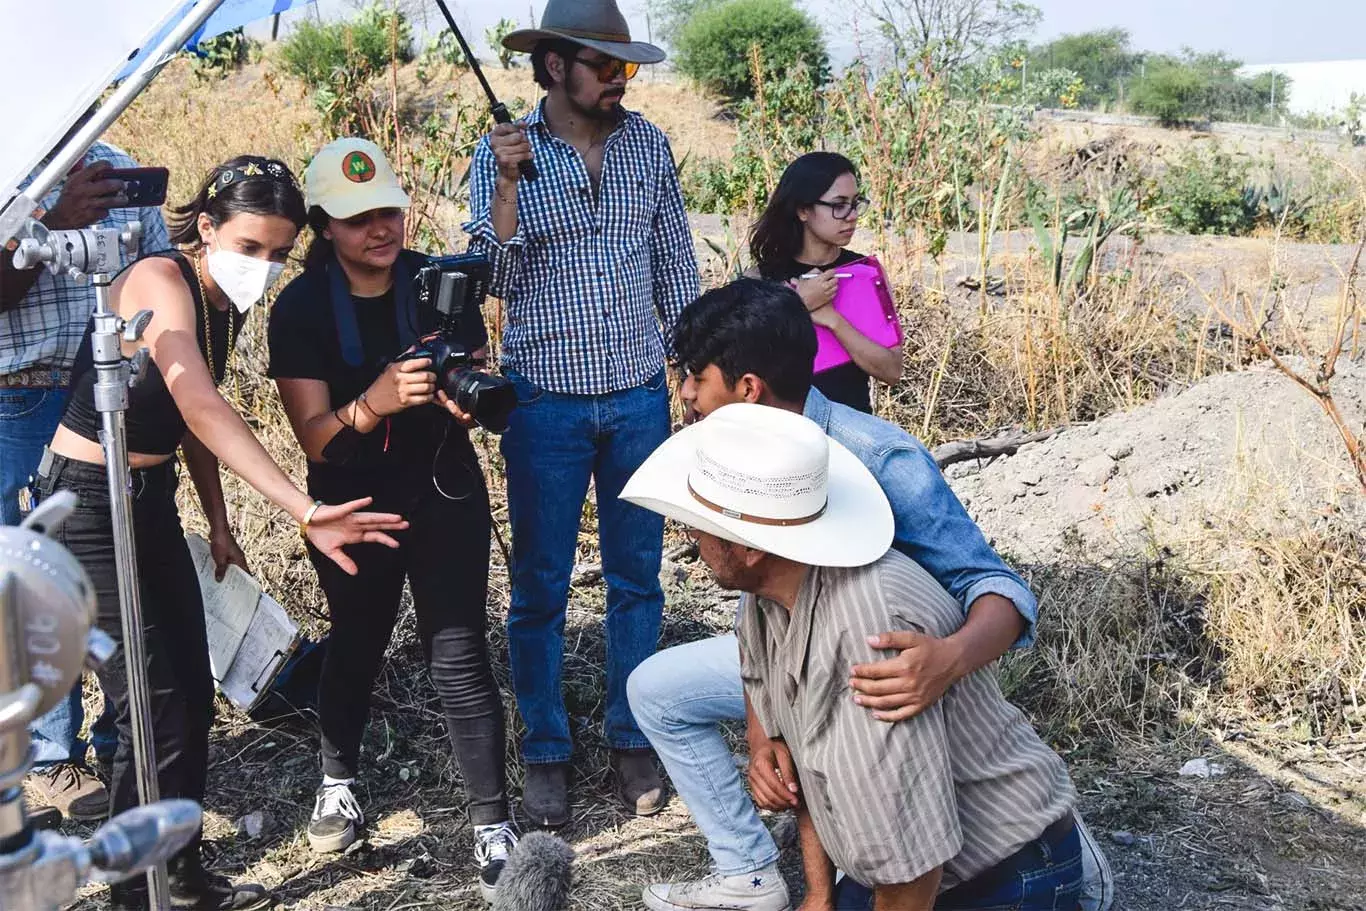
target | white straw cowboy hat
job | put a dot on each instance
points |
(771, 480)
(593, 23)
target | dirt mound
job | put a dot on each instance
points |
(1126, 483)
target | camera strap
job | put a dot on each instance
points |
(344, 310)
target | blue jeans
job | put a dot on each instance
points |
(28, 419)
(554, 444)
(680, 697)
(1044, 875)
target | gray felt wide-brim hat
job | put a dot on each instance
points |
(596, 24)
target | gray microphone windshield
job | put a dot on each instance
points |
(537, 875)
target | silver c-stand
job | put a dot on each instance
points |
(95, 252)
(47, 607)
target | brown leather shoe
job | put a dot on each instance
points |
(73, 788)
(638, 782)
(545, 795)
(43, 817)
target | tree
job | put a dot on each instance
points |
(715, 46)
(1206, 85)
(671, 15)
(1101, 58)
(948, 33)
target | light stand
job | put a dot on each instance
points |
(47, 606)
(95, 252)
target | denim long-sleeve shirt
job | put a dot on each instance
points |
(592, 282)
(932, 527)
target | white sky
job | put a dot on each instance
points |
(1255, 31)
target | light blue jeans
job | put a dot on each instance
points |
(28, 419)
(680, 697)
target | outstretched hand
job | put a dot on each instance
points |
(334, 527)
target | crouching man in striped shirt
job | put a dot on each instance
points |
(960, 807)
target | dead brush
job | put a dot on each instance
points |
(1121, 651)
(1289, 612)
(1043, 358)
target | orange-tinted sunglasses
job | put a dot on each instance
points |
(609, 68)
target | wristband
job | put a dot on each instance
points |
(364, 403)
(308, 517)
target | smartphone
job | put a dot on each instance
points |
(144, 187)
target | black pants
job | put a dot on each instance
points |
(444, 555)
(178, 675)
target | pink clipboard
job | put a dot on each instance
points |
(865, 300)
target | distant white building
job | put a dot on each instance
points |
(1322, 87)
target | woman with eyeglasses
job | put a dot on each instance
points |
(802, 239)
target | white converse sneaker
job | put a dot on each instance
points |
(763, 890)
(336, 817)
(492, 847)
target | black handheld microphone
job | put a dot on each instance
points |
(500, 110)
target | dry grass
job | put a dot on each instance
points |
(1236, 615)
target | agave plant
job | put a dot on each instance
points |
(1093, 223)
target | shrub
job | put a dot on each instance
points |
(1204, 192)
(316, 52)
(445, 50)
(715, 47)
(495, 34)
(1173, 94)
(222, 54)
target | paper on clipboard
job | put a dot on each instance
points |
(250, 635)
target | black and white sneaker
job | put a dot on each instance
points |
(336, 817)
(492, 847)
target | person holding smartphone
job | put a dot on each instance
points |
(802, 238)
(369, 421)
(234, 238)
(42, 320)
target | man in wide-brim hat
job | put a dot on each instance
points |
(594, 261)
(960, 807)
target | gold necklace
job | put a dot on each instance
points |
(208, 329)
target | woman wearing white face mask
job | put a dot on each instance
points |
(233, 238)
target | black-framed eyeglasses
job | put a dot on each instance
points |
(843, 209)
(609, 68)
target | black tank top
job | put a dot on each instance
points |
(155, 425)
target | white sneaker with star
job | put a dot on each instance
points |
(762, 890)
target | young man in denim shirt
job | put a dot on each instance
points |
(752, 341)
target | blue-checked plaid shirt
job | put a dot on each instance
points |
(592, 288)
(46, 329)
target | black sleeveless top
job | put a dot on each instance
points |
(155, 425)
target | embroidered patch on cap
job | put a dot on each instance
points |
(358, 167)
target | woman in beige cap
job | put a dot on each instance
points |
(368, 421)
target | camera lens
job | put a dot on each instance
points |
(489, 399)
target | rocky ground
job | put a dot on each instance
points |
(1122, 484)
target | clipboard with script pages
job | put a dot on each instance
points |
(250, 635)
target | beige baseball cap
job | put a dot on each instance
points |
(351, 175)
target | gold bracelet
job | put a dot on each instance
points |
(308, 517)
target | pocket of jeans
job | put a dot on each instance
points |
(16, 405)
(657, 382)
(1057, 887)
(528, 393)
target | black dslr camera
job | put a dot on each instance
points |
(445, 286)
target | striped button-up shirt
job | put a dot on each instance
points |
(592, 283)
(964, 784)
(46, 329)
